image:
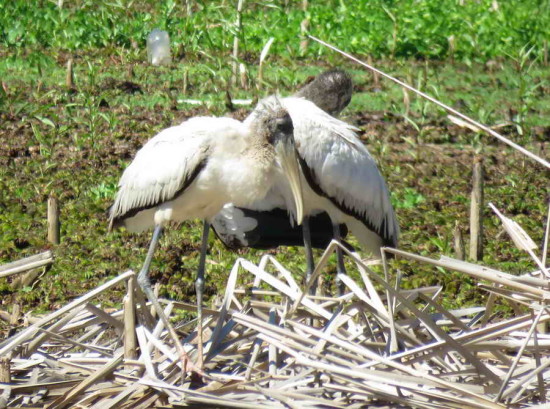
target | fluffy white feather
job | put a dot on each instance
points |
(215, 151)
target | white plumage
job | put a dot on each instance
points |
(210, 158)
(339, 176)
(350, 187)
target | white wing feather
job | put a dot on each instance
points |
(342, 166)
(163, 164)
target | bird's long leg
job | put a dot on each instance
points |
(310, 265)
(340, 266)
(145, 284)
(199, 287)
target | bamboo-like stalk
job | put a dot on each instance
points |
(238, 30)
(5, 371)
(479, 272)
(371, 376)
(68, 341)
(546, 237)
(304, 27)
(38, 340)
(375, 75)
(244, 77)
(130, 340)
(69, 77)
(304, 42)
(53, 221)
(458, 242)
(525, 380)
(392, 344)
(145, 351)
(106, 318)
(285, 289)
(27, 263)
(452, 47)
(253, 357)
(185, 81)
(538, 362)
(436, 330)
(15, 314)
(217, 334)
(476, 211)
(272, 350)
(324, 351)
(153, 341)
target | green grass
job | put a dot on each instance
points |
(74, 144)
(419, 29)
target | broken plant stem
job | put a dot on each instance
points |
(440, 104)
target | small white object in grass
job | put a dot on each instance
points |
(191, 101)
(158, 48)
(241, 101)
(199, 102)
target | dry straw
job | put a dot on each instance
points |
(275, 346)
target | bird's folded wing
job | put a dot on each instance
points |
(341, 168)
(164, 167)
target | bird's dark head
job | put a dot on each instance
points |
(273, 121)
(331, 91)
(280, 127)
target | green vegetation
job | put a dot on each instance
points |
(467, 30)
(74, 143)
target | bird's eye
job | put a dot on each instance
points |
(284, 124)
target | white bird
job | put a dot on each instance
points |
(339, 177)
(190, 171)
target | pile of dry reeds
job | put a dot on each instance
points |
(271, 345)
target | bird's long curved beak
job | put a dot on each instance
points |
(288, 159)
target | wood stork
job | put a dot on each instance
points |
(338, 174)
(191, 170)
